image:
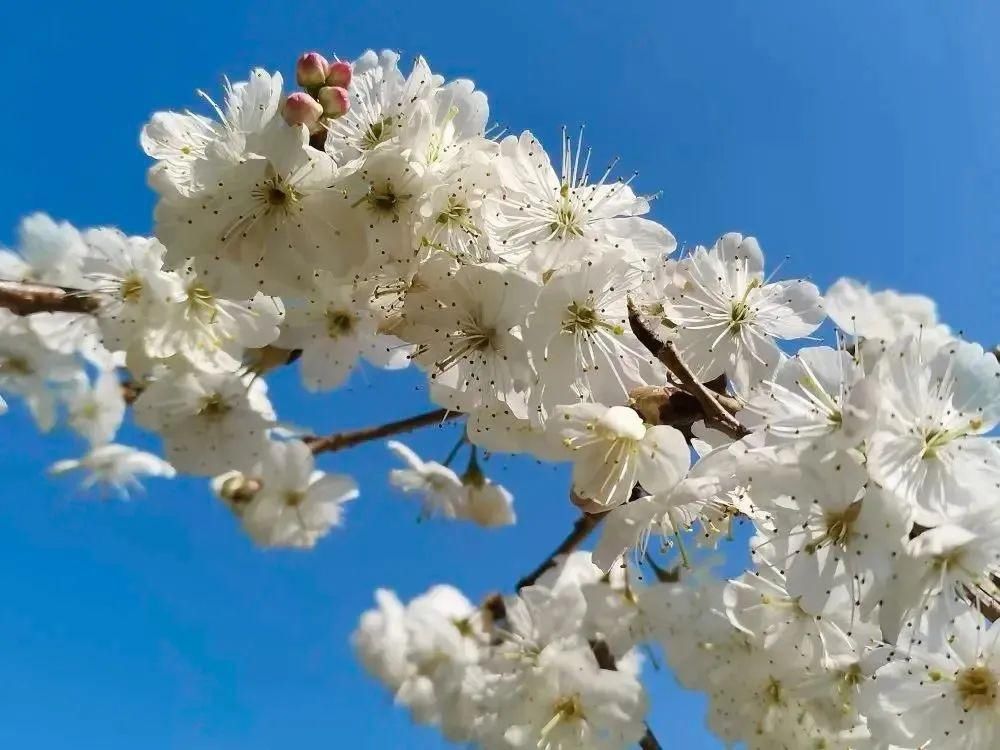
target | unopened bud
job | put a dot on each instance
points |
(339, 73)
(335, 100)
(236, 489)
(311, 70)
(301, 109)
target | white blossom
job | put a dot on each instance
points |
(543, 221)
(297, 504)
(210, 422)
(945, 697)
(580, 340)
(49, 252)
(116, 467)
(612, 450)
(930, 447)
(728, 316)
(96, 410)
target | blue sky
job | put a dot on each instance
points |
(858, 139)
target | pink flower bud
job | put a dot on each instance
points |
(301, 109)
(339, 73)
(335, 100)
(311, 69)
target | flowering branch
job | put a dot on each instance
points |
(22, 298)
(348, 439)
(716, 414)
(201, 327)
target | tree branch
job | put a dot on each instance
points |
(585, 524)
(349, 438)
(22, 298)
(649, 741)
(716, 415)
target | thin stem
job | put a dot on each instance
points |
(585, 524)
(680, 546)
(454, 451)
(348, 439)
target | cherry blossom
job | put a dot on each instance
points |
(803, 527)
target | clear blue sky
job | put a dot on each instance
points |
(859, 140)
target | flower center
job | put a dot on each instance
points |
(276, 196)
(15, 365)
(935, 439)
(570, 707)
(339, 323)
(739, 314)
(384, 201)
(472, 337)
(131, 289)
(457, 214)
(583, 317)
(565, 220)
(563, 710)
(214, 406)
(839, 527)
(376, 133)
(774, 693)
(977, 687)
(201, 303)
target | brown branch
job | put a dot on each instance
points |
(341, 440)
(582, 528)
(649, 741)
(716, 415)
(989, 610)
(22, 298)
(585, 524)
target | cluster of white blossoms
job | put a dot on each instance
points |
(369, 215)
(520, 671)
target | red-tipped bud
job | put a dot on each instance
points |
(311, 70)
(335, 100)
(301, 109)
(339, 73)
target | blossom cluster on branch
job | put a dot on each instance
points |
(371, 215)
